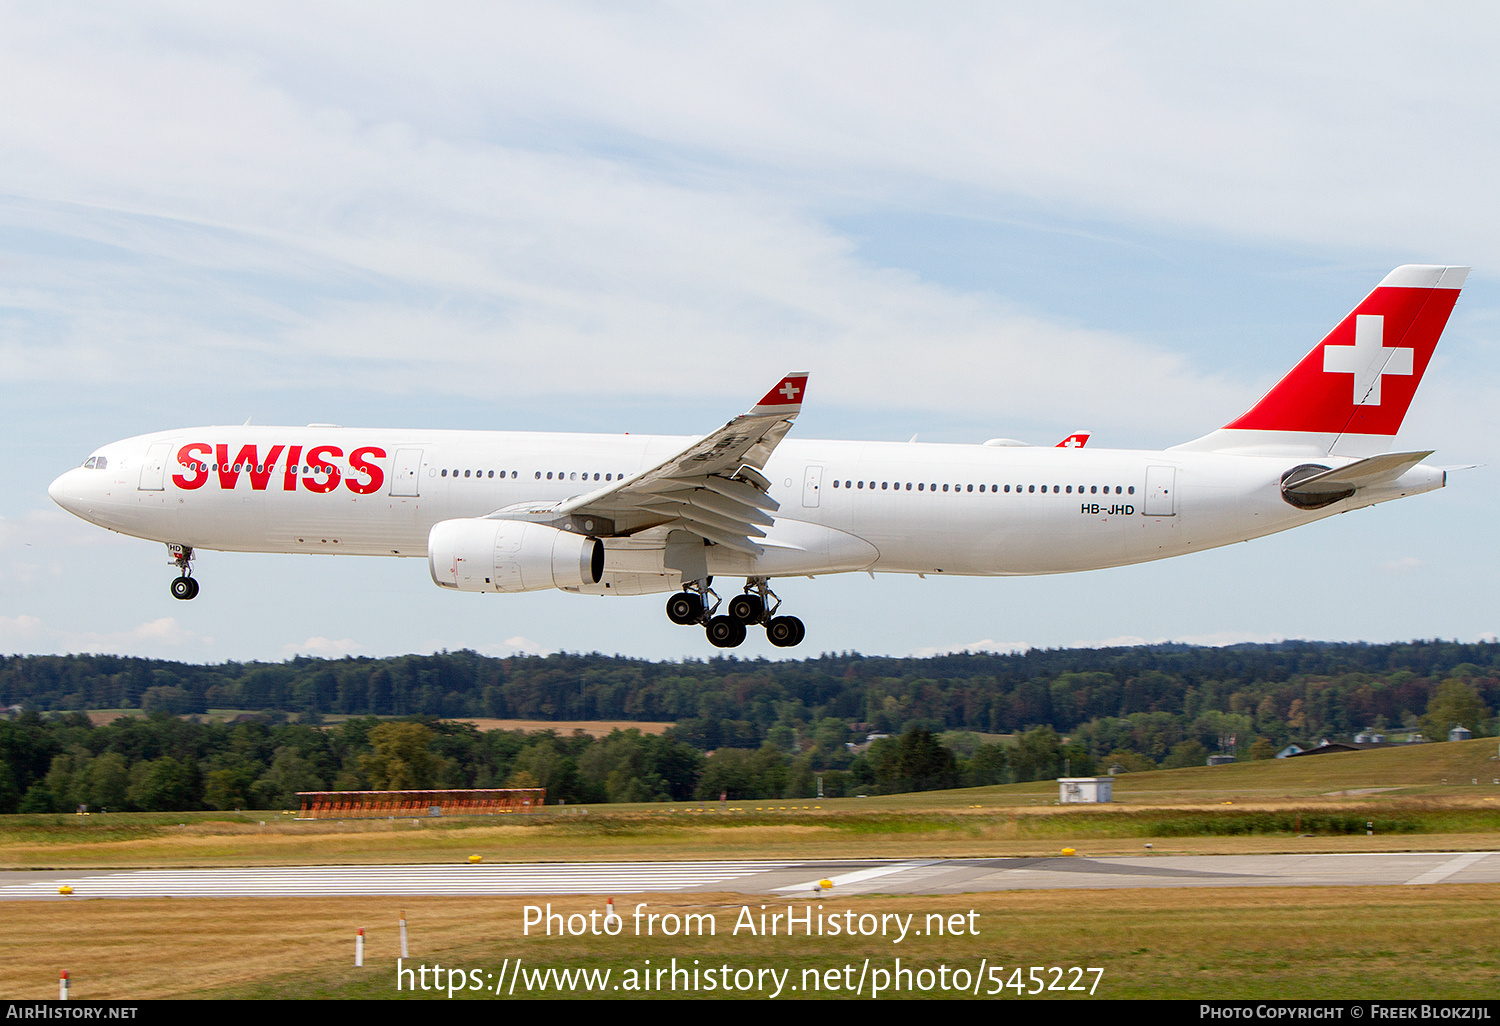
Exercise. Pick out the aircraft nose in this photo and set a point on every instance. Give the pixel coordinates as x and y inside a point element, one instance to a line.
<point>65,492</point>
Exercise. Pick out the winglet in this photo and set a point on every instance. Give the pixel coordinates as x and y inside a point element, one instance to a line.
<point>1077,440</point>
<point>783,400</point>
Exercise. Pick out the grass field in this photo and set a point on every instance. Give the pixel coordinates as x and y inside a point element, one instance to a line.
<point>1243,943</point>
<point>660,834</point>
<point>1389,942</point>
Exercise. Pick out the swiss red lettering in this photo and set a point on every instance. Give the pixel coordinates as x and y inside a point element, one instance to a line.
<point>359,463</point>
<point>248,460</point>
<point>321,456</point>
<point>364,477</point>
<point>289,479</point>
<point>194,457</point>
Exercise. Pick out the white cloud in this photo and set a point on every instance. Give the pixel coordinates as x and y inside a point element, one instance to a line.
<point>1212,117</point>
<point>518,645</point>
<point>1209,639</point>
<point>324,648</point>
<point>987,645</point>
<point>418,245</point>
<point>1123,641</point>
<point>164,637</point>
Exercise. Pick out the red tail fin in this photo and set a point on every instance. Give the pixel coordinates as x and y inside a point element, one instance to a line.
<point>1349,395</point>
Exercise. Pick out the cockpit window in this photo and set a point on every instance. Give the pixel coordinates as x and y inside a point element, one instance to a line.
<point>95,463</point>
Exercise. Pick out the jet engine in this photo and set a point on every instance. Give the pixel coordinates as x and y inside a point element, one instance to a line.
<point>511,555</point>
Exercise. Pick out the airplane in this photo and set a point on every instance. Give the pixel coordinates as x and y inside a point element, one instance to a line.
<point>499,511</point>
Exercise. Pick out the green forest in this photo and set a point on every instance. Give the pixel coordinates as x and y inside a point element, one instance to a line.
<point>743,728</point>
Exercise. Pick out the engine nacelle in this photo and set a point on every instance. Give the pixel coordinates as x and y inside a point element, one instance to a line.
<point>510,555</point>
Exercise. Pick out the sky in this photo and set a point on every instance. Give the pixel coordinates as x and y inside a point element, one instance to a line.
<point>965,220</point>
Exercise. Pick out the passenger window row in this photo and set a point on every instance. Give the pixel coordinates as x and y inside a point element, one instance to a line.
<point>257,468</point>
<point>562,475</point>
<point>923,486</point>
<point>558,475</point>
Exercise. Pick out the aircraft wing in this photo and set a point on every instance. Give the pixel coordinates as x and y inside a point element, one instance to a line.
<point>713,488</point>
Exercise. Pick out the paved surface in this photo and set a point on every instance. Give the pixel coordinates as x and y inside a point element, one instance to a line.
<point>903,876</point>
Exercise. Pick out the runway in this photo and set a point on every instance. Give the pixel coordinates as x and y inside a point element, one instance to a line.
<point>777,878</point>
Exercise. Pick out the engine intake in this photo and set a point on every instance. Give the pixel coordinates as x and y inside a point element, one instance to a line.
<point>511,556</point>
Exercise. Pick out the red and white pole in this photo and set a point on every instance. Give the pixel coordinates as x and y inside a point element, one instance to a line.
<point>404,952</point>
<point>359,948</point>
<point>62,986</point>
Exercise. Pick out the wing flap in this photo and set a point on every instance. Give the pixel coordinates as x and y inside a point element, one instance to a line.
<point>724,538</point>
<point>745,494</point>
<point>703,498</point>
<point>693,514</point>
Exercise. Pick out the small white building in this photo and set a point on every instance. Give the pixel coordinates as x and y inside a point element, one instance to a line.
<point>1085,789</point>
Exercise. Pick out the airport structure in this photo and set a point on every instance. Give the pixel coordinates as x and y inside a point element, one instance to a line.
<point>1085,789</point>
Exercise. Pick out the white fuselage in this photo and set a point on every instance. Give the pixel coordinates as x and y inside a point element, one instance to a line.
<point>878,506</point>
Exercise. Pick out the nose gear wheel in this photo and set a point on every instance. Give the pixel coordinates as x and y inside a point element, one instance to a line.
<point>184,587</point>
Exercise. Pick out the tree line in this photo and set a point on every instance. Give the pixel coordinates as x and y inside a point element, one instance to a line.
<point>777,729</point>
<point>1286,691</point>
<point>163,763</point>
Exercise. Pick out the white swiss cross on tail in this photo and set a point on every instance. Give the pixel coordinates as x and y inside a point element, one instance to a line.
<point>1348,395</point>
<point>1368,359</point>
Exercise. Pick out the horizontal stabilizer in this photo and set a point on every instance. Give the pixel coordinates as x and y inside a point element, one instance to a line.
<point>1362,474</point>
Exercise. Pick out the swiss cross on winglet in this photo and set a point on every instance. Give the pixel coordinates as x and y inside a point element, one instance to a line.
<point>786,397</point>
<point>1076,440</point>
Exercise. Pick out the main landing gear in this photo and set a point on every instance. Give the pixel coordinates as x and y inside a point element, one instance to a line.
<point>697,604</point>
<point>184,587</point>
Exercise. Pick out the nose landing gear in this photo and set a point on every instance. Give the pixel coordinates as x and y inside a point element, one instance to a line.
<point>756,606</point>
<point>184,587</point>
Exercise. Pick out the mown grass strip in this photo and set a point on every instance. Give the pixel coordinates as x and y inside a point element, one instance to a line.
<point>1250,943</point>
